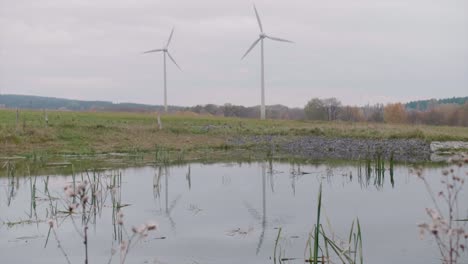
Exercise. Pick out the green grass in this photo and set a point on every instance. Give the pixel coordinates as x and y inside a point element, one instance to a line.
<point>103,132</point>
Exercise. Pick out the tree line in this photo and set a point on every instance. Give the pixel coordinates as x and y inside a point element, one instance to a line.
<point>435,113</point>
<point>451,111</point>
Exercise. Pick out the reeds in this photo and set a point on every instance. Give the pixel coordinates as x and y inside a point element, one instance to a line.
<point>320,252</point>
<point>324,248</point>
<point>373,171</point>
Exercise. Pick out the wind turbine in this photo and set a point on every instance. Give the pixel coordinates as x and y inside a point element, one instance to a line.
<point>262,36</point>
<point>165,51</point>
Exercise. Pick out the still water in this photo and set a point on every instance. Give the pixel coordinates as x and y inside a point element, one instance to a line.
<point>225,213</point>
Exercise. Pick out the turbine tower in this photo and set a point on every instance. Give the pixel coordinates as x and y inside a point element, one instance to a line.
<point>165,51</point>
<point>262,36</point>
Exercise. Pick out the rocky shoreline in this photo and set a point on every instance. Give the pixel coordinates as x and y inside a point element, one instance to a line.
<point>316,147</point>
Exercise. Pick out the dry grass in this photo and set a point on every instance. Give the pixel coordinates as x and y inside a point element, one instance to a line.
<point>98,132</point>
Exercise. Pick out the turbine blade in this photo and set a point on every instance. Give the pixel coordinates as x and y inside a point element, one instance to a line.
<point>155,50</point>
<point>279,39</point>
<point>251,47</point>
<point>170,37</point>
<point>258,19</point>
<point>172,59</point>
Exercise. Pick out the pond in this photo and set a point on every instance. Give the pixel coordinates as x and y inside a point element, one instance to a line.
<point>223,213</point>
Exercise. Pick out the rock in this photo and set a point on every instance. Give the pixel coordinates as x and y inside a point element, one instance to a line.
<point>446,145</point>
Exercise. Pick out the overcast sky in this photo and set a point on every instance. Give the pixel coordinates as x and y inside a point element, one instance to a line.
<point>360,51</point>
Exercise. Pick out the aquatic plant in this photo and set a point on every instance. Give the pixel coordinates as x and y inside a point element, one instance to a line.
<point>445,225</point>
<point>321,244</point>
<point>86,198</point>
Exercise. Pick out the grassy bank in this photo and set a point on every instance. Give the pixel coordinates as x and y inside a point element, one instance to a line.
<point>101,132</point>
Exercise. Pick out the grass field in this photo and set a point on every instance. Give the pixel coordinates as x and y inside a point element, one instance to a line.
<point>103,132</point>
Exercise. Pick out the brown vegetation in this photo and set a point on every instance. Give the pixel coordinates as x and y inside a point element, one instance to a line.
<point>330,109</point>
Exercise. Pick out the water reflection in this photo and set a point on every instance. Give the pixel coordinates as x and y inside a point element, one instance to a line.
<point>160,172</point>
<point>218,198</point>
<point>12,181</point>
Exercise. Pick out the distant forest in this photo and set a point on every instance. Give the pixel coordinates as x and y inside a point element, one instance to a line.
<point>450,111</point>
<point>424,105</point>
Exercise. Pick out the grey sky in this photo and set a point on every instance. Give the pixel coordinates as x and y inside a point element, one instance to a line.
<point>358,51</point>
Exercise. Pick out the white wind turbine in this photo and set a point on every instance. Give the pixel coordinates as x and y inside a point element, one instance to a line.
<point>260,39</point>
<point>165,51</point>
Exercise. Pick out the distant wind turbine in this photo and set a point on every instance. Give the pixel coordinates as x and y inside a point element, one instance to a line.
<point>165,51</point>
<point>260,39</point>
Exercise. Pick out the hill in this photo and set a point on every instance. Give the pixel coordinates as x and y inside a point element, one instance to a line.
<point>39,102</point>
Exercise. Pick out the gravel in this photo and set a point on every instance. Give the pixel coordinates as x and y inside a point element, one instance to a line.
<point>316,147</point>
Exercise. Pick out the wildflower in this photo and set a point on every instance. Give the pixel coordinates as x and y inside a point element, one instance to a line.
<point>419,174</point>
<point>151,225</point>
<point>123,245</point>
<point>423,226</point>
<point>421,233</point>
<point>51,223</point>
<point>433,214</point>
<point>120,216</point>
<point>82,187</point>
<point>72,207</point>
<point>139,229</point>
<point>69,191</point>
